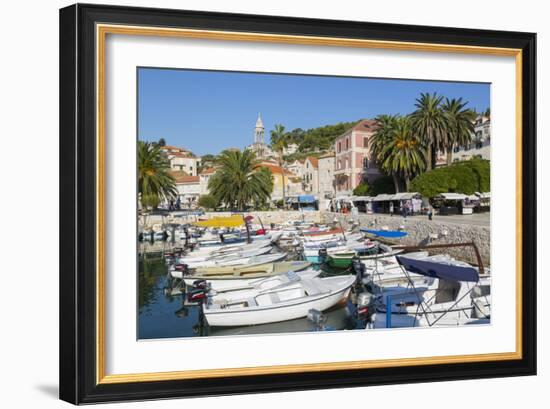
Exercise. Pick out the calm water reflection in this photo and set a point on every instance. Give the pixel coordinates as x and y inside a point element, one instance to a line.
<point>162,313</point>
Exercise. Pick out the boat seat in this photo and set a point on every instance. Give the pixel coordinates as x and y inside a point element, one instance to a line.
<point>274,298</point>
<point>251,302</point>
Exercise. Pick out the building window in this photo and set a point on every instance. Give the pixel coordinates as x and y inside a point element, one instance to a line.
<point>479,145</point>
<point>347,144</point>
<point>365,142</point>
<point>365,162</point>
<point>339,147</point>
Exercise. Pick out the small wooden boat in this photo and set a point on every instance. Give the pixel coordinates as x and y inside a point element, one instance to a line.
<point>220,278</point>
<point>344,259</point>
<point>283,303</point>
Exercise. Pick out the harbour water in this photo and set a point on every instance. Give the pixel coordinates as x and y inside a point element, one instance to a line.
<point>164,313</point>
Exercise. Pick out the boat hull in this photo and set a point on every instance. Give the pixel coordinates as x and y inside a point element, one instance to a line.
<point>270,315</point>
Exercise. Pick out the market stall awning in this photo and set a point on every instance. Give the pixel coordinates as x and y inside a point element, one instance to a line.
<point>382,197</point>
<point>452,196</point>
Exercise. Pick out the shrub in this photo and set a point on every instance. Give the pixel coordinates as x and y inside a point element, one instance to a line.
<point>361,189</point>
<point>208,202</point>
<point>463,177</point>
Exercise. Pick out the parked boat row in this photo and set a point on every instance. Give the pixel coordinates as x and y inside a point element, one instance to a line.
<point>239,279</point>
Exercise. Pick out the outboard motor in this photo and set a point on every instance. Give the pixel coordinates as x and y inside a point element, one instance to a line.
<point>317,318</point>
<point>323,254</point>
<point>365,307</point>
<point>184,268</point>
<point>200,284</point>
<point>197,295</point>
<point>359,269</point>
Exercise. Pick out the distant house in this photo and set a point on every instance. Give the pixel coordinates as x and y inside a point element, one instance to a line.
<point>310,175</point>
<point>293,184</point>
<point>181,159</point>
<point>189,189</point>
<point>480,147</point>
<point>326,175</point>
<point>353,161</point>
<point>204,178</point>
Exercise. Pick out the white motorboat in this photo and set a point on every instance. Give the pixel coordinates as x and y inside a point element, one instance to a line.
<point>215,258</point>
<point>207,252</point>
<point>240,259</point>
<point>438,291</point>
<point>283,303</point>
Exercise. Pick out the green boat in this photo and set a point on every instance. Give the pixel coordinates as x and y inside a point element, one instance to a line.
<point>344,259</point>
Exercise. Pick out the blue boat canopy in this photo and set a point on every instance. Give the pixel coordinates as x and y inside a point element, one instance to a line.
<point>390,234</point>
<point>434,269</point>
<point>306,199</point>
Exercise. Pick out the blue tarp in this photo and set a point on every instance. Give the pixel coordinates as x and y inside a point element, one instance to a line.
<point>439,270</point>
<point>390,234</point>
<point>306,199</point>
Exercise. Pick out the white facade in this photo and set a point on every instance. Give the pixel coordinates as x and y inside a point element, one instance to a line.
<point>326,176</point>
<point>189,190</point>
<point>480,147</point>
<point>187,164</point>
<point>310,176</point>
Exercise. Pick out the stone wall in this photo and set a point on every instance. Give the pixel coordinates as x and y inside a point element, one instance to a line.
<point>267,217</point>
<point>423,231</point>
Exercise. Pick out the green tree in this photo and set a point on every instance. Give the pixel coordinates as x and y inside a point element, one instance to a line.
<point>208,201</point>
<point>382,184</point>
<point>238,181</point>
<point>404,154</point>
<point>429,123</point>
<point>161,142</point>
<point>154,180</point>
<point>382,137</point>
<point>279,142</point>
<point>459,125</point>
<point>361,189</point>
<point>465,177</point>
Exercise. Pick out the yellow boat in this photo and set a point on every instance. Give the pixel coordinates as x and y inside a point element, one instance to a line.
<point>230,221</point>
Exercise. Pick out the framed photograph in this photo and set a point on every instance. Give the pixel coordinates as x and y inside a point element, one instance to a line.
<point>257,203</point>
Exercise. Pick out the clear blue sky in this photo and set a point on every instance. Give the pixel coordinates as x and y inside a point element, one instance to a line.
<point>208,111</point>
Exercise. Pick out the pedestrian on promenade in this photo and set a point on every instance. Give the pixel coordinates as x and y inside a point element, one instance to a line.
<point>430,212</point>
<point>391,209</point>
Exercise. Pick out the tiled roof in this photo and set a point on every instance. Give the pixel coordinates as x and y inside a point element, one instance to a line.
<point>369,125</point>
<point>314,161</point>
<point>208,171</point>
<point>186,179</point>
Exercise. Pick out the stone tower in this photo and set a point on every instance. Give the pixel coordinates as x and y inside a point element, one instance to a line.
<point>259,131</point>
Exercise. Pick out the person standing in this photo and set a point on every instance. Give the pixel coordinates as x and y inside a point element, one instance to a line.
<point>430,212</point>
<point>391,209</point>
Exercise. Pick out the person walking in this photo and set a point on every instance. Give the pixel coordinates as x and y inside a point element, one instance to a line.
<point>430,212</point>
<point>391,209</point>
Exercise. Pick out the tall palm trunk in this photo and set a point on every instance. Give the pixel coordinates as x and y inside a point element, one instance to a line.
<point>429,163</point>
<point>450,155</point>
<point>283,175</point>
<point>395,182</point>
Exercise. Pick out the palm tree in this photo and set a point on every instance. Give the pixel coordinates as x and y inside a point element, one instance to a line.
<point>429,124</point>
<point>154,180</point>
<point>459,125</point>
<point>279,142</point>
<point>404,153</point>
<point>238,181</point>
<point>380,139</point>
